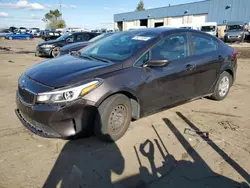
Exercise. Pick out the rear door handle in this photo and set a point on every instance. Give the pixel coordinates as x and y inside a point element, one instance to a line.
<point>190,67</point>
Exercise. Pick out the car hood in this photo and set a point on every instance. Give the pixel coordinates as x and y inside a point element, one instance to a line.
<point>67,70</point>
<point>50,42</point>
<point>74,46</point>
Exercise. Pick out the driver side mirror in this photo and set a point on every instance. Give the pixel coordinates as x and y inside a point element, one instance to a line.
<point>69,40</point>
<point>156,63</point>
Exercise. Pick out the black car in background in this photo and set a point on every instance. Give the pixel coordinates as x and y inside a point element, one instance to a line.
<point>79,45</point>
<point>126,76</point>
<point>52,48</point>
<point>12,29</point>
<point>50,35</point>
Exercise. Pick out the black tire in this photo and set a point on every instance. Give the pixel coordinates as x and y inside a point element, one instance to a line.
<point>105,127</point>
<point>216,95</point>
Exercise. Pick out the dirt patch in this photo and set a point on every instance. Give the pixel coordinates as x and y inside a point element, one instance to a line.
<point>244,53</point>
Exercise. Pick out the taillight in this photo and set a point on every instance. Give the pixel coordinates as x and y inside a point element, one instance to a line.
<point>235,53</point>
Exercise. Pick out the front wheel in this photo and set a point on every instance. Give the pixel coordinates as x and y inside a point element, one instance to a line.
<point>10,38</point>
<point>27,38</point>
<point>113,118</point>
<point>55,52</point>
<point>222,86</point>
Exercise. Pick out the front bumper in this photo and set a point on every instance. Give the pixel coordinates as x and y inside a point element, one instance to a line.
<point>54,121</point>
<point>234,38</point>
<point>43,51</point>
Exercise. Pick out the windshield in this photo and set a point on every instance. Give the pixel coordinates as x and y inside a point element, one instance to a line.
<point>63,37</point>
<point>99,37</point>
<point>119,47</point>
<point>235,27</point>
<point>208,28</point>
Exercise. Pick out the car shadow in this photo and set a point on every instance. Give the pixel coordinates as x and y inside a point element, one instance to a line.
<point>86,163</point>
<point>91,163</point>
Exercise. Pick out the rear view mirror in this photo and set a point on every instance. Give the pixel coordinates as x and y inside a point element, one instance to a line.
<point>156,63</point>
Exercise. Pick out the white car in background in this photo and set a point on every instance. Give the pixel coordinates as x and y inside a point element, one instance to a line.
<point>190,26</point>
<point>210,28</point>
<point>35,32</point>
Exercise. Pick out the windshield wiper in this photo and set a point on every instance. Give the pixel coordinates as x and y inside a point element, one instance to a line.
<point>85,56</point>
<point>100,59</point>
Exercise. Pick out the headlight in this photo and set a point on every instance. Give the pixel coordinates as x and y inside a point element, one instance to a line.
<point>47,46</point>
<point>67,95</point>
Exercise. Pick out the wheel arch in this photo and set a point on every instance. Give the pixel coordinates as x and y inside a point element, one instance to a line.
<point>132,97</point>
<point>231,72</point>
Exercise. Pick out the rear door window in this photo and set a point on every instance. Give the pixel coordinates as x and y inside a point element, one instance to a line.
<point>203,44</point>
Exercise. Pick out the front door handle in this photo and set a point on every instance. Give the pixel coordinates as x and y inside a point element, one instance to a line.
<point>190,67</point>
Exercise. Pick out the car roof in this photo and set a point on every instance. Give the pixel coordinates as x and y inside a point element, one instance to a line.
<point>162,30</point>
<point>73,33</point>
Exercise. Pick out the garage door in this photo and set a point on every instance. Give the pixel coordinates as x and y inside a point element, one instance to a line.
<point>177,20</point>
<point>199,19</point>
<point>130,24</point>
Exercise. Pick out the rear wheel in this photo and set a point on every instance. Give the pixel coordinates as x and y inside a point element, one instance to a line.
<point>27,38</point>
<point>113,118</point>
<point>10,38</point>
<point>222,86</point>
<point>55,52</point>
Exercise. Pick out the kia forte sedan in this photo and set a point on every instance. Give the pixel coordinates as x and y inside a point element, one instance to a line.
<point>121,78</point>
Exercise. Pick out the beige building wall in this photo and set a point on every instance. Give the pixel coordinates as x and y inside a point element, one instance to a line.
<point>124,26</point>
<point>137,22</point>
<point>150,23</point>
<point>188,19</point>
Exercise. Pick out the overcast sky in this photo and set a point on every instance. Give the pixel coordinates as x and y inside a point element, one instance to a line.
<point>76,13</point>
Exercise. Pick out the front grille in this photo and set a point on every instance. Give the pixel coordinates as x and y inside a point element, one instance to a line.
<point>26,96</point>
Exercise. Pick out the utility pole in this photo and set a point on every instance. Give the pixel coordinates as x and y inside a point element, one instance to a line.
<point>60,9</point>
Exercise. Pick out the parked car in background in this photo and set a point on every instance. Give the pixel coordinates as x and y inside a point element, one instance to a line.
<point>50,35</point>
<point>189,26</point>
<point>210,28</point>
<point>52,48</point>
<point>234,31</point>
<point>23,30</point>
<point>247,31</point>
<point>12,29</point>
<point>126,76</point>
<point>35,32</point>
<point>79,45</point>
<point>19,35</point>
<point>4,32</point>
